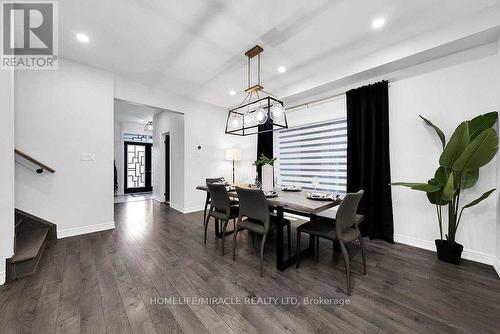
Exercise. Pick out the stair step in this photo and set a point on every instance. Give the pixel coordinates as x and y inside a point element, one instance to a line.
<point>28,244</point>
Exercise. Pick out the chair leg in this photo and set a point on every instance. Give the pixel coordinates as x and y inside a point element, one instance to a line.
<point>235,235</point>
<point>347,266</point>
<point>207,220</point>
<point>363,254</point>
<point>253,239</point>
<point>205,211</point>
<point>262,255</point>
<point>297,261</point>
<point>316,255</point>
<point>224,226</point>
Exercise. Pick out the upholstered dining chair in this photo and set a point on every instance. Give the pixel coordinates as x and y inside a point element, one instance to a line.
<point>207,200</point>
<point>255,216</point>
<point>344,229</point>
<point>220,209</point>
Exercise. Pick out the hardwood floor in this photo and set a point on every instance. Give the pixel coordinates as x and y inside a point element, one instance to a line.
<point>118,281</point>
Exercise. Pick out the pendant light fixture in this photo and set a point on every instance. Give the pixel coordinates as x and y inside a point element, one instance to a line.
<point>259,111</point>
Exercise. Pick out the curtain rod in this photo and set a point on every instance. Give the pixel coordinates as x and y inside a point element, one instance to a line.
<point>306,104</point>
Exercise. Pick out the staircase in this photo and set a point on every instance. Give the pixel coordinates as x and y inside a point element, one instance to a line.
<point>31,237</point>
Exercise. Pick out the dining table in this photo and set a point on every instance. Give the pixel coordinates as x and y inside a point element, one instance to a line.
<point>294,202</point>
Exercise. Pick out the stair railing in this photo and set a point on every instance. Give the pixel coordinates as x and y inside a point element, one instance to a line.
<point>41,166</point>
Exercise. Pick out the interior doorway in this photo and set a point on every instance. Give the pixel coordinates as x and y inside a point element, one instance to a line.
<point>167,168</point>
<point>137,167</point>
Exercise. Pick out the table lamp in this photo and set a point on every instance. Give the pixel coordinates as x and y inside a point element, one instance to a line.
<point>233,154</point>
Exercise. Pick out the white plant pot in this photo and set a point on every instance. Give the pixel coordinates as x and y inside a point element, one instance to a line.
<point>267,177</point>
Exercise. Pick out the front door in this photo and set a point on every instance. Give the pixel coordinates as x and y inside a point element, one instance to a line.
<point>137,167</point>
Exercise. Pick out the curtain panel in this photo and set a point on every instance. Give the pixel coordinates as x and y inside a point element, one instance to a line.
<point>368,165</point>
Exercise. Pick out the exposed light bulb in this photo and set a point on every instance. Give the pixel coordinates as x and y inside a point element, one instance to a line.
<point>232,93</point>
<point>236,122</point>
<point>261,116</point>
<point>277,111</point>
<point>282,69</point>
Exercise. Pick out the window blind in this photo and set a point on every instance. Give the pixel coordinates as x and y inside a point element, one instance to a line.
<point>314,152</point>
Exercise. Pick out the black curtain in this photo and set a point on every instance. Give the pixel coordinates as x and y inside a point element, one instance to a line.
<point>368,164</point>
<point>264,145</point>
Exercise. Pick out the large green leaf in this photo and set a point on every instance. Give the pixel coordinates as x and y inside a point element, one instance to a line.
<point>435,197</point>
<point>438,130</point>
<point>449,189</point>
<point>441,176</point>
<point>479,152</point>
<point>482,122</point>
<point>478,200</point>
<point>467,178</point>
<point>418,186</point>
<point>457,144</point>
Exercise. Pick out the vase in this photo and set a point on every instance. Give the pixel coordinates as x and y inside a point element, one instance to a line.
<point>267,177</point>
<point>449,252</point>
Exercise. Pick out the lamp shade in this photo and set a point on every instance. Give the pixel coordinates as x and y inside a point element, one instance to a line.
<point>233,154</point>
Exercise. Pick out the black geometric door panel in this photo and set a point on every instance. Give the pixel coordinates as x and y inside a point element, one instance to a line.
<point>137,167</point>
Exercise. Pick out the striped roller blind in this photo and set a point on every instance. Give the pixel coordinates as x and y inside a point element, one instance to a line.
<point>314,150</point>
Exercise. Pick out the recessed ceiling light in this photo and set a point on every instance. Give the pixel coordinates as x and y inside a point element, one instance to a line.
<point>82,38</point>
<point>232,93</point>
<point>378,23</point>
<point>282,69</point>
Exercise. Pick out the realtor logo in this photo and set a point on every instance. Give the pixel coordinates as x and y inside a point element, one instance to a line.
<point>29,35</point>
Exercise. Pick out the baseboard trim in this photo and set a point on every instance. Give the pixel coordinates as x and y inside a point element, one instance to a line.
<point>2,277</point>
<point>429,245</point>
<point>496,265</point>
<point>71,232</point>
<point>194,209</point>
<point>159,199</point>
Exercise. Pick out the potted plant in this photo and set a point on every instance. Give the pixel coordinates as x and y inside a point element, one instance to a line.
<point>473,144</point>
<point>267,171</point>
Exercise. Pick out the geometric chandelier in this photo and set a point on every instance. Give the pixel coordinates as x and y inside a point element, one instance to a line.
<point>259,111</point>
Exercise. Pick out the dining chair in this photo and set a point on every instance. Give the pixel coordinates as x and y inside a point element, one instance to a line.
<point>344,229</point>
<point>207,200</point>
<point>255,216</point>
<point>220,209</point>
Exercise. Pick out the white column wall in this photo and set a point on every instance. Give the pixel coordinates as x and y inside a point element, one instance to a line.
<point>6,168</point>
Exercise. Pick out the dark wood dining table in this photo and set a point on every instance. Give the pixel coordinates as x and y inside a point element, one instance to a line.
<point>294,202</point>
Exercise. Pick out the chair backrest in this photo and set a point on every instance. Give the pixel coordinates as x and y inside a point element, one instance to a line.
<point>214,180</point>
<point>253,205</point>
<point>346,214</point>
<point>220,198</point>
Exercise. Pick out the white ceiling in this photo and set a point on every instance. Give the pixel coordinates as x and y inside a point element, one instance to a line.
<point>125,111</point>
<point>195,48</point>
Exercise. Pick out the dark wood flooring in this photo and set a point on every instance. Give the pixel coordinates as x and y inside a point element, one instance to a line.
<point>105,283</point>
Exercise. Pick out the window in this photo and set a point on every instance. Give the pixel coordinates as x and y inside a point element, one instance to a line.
<point>314,156</point>
<point>139,138</point>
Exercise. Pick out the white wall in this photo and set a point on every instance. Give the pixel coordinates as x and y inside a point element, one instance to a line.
<point>447,97</point>
<point>173,124</point>
<point>497,254</point>
<point>6,169</point>
<point>119,129</point>
<point>59,115</point>
<point>204,125</point>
